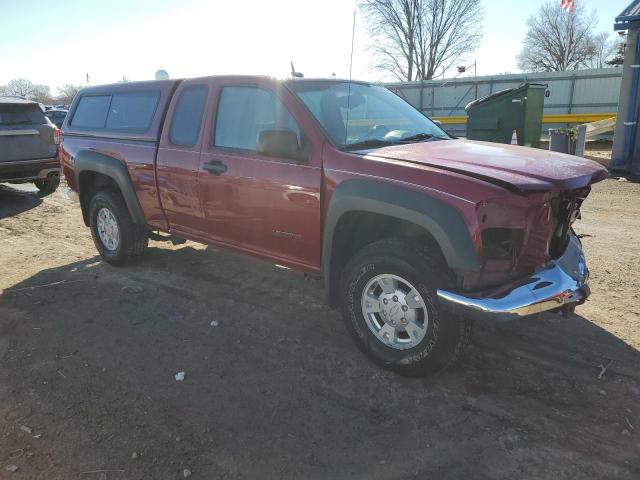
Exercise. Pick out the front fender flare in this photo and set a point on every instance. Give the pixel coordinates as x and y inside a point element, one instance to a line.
<point>442,221</point>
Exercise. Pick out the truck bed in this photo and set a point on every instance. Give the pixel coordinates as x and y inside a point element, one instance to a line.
<point>138,147</point>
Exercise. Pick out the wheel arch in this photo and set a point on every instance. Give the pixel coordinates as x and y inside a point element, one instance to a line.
<point>395,211</point>
<point>95,170</point>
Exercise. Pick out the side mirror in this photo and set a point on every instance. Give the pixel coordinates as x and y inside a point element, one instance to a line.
<point>281,144</point>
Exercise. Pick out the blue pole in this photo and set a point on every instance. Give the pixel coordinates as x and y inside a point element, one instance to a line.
<point>631,126</point>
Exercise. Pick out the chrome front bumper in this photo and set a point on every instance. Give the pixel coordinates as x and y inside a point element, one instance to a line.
<point>559,284</point>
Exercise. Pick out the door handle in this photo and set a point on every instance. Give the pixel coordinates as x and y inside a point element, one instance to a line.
<point>215,167</point>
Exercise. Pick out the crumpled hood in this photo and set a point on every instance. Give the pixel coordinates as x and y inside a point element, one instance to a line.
<point>511,166</point>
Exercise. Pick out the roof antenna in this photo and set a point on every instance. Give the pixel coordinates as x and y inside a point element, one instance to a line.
<point>295,74</point>
<point>353,34</point>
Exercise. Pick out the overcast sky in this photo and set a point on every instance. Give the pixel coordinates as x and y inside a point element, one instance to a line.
<point>58,42</point>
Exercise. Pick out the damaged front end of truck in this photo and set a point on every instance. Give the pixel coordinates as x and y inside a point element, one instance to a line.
<point>532,259</point>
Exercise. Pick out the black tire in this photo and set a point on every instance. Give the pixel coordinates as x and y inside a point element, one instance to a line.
<point>47,186</point>
<point>446,335</point>
<point>133,238</point>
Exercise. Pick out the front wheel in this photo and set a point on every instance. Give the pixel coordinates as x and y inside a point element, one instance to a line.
<point>116,237</point>
<point>390,307</point>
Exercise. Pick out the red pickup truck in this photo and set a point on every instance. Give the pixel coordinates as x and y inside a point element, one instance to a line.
<point>413,232</point>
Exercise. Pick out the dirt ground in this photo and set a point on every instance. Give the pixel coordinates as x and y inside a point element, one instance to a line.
<point>599,151</point>
<point>88,354</point>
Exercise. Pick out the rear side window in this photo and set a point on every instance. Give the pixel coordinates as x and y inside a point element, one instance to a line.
<point>132,111</point>
<point>91,112</point>
<point>16,114</point>
<point>187,117</point>
<point>244,112</point>
<point>127,111</point>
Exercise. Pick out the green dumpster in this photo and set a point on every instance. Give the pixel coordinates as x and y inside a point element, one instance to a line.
<point>495,117</point>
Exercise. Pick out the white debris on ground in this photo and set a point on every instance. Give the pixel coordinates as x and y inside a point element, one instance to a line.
<point>214,323</point>
<point>179,376</point>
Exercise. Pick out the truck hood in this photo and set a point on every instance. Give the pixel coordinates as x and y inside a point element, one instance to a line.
<point>510,166</point>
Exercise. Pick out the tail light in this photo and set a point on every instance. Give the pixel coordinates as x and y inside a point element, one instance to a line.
<point>56,135</point>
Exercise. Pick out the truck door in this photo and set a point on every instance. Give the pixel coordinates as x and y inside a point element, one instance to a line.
<point>268,205</point>
<point>178,158</point>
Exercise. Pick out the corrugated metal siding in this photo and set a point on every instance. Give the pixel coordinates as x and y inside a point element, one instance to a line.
<point>579,91</point>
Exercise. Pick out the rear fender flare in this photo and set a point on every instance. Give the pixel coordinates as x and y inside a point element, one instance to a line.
<point>91,161</point>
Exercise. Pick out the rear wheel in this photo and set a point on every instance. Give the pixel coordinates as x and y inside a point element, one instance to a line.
<point>116,237</point>
<point>390,307</point>
<point>47,186</point>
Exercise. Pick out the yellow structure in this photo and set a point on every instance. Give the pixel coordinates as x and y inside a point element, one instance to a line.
<point>572,118</point>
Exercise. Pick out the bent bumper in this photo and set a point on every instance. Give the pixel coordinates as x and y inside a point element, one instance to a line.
<point>561,283</point>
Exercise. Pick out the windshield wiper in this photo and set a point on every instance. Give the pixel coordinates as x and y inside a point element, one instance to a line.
<point>421,136</point>
<point>377,142</point>
<point>371,143</point>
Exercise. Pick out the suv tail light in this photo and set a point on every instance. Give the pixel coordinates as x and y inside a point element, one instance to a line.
<point>56,135</point>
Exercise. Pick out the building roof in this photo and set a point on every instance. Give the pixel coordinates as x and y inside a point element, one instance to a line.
<point>629,17</point>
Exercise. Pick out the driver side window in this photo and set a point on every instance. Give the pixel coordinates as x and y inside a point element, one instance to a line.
<point>245,112</point>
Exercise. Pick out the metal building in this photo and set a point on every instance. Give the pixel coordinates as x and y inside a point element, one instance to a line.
<point>572,97</point>
<point>625,157</point>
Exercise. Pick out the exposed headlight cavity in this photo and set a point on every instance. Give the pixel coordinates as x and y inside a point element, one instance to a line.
<point>501,243</point>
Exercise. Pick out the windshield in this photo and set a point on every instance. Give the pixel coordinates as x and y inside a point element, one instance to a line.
<point>364,116</point>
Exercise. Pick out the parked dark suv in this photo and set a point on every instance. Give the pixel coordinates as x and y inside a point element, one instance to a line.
<point>56,116</point>
<point>28,145</point>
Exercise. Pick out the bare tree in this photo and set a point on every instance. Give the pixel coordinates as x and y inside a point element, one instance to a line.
<point>41,94</point>
<point>392,23</point>
<point>449,29</point>
<point>26,88</point>
<point>605,47</point>
<point>20,87</point>
<point>557,40</point>
<point>416,38</point>
<point>65,93</point>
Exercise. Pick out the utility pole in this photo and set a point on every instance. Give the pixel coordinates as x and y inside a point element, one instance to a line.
<point>475,77</point>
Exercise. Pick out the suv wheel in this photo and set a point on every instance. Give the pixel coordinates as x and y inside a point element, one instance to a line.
<point>390,307</point>
<point>116,237</point>
<point>47,186</point>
